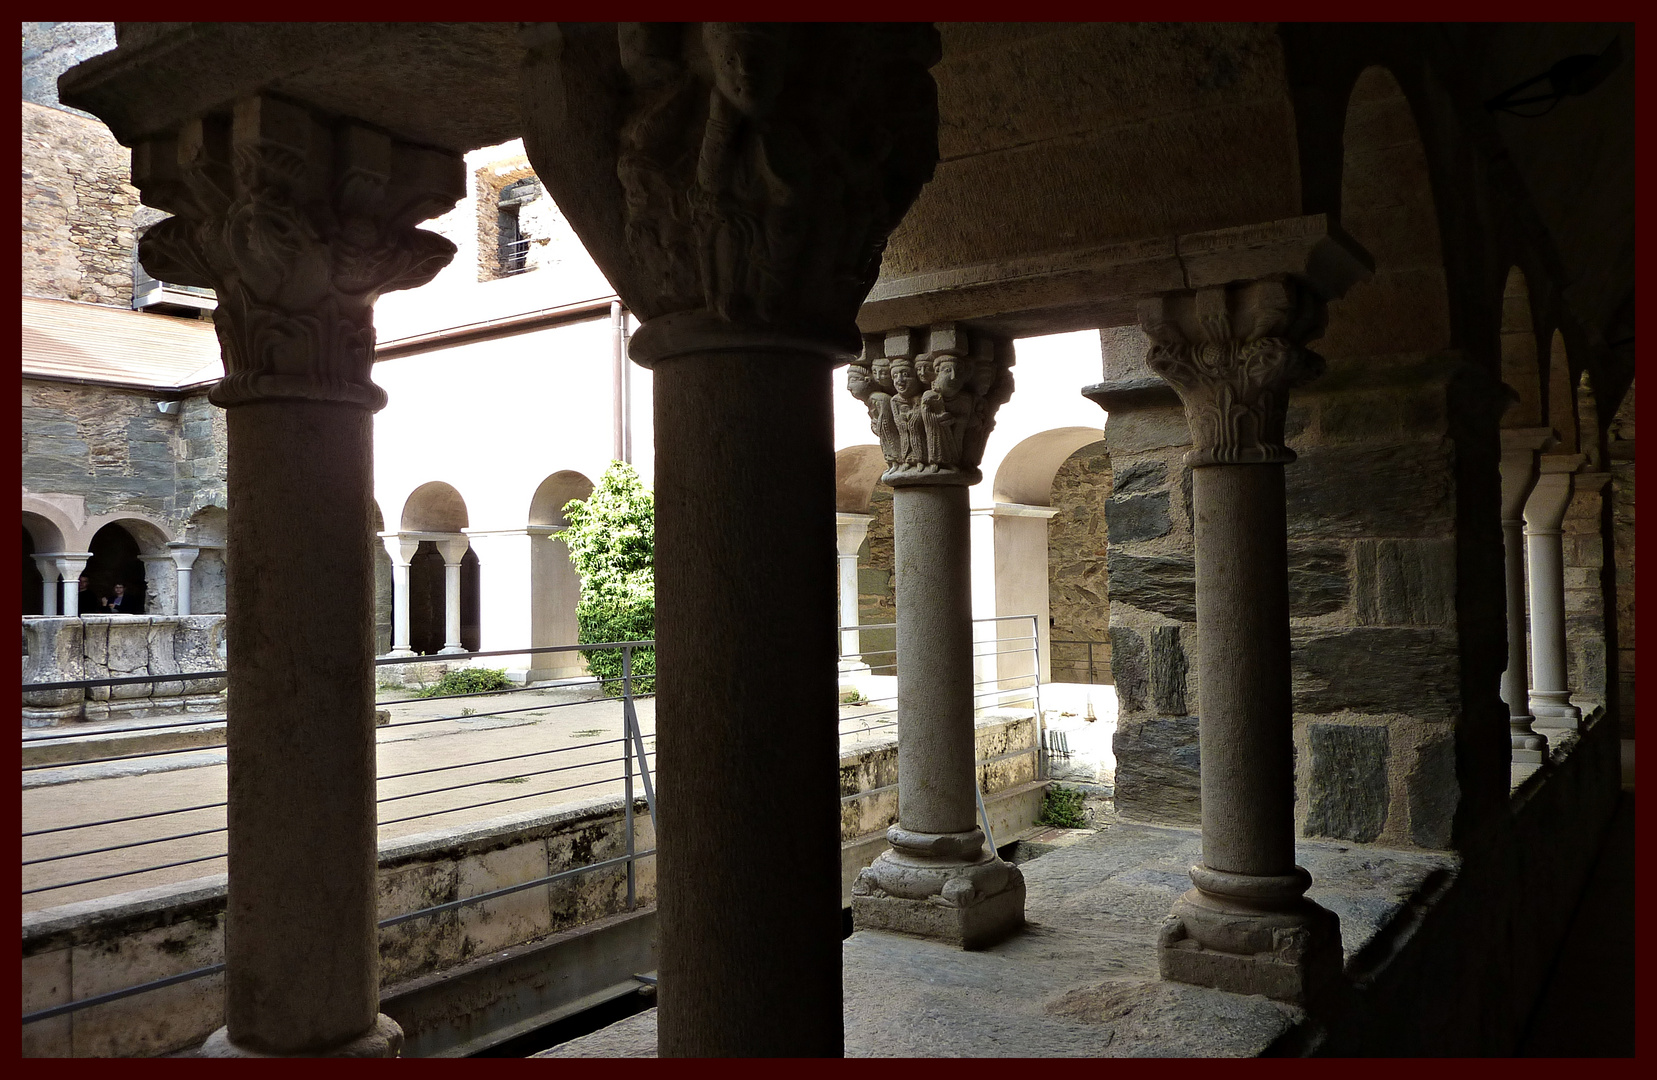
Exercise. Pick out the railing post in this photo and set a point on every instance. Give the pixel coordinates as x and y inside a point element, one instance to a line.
<point>627,767</point>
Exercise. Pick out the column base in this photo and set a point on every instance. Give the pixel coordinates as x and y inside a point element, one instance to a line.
<point>383,1040</point>
<point>1286,955</point>
<point>451,650</point>
<point>1529,748</point>
<point>968,905</point>
<point>400,654</point>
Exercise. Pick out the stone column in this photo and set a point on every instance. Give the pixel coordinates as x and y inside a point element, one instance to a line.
<point>48,567</point>
<point>850,529</point>
<point>452,550</point>
<point>1550,696</point>
<point>184,557</point>
<point>737,182</point>
<point>71,565</point>
<point>932,397</point>
<point>1519,449</point>
<point>1233,353</point>
<point>298,222</point>
<point>402,550</point>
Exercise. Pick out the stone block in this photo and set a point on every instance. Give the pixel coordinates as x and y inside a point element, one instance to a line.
<point>1141,517</point>
<point>512,919</point>
<point>1349,781</point>
<point>1318,583</point>
<point>1165,584</point>
<point>1168,671</point>
<point>419,945</point>
<point>1140,477</point>
<point>1377,670</point>
<point>1158,770</point>
<point>159,1021</point>
<point>1129,668</point>
<point>45,984</point>
<point>1433,792</point>
<point>1146,429</point>
<point>978,923</point>
<point>1398,489</point>
<point>1405,582</point>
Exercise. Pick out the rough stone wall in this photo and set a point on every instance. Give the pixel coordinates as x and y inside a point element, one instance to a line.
<point>877,600</point>
<point>1586,663</point>
<point>110,446</point>
<point>1620,459</point>
<point>1078,581</point>
<point>79,211</point>
<point>1153,614</point>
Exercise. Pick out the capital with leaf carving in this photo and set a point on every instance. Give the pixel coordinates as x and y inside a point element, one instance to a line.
<point>1233,353</point>
<point>932,395</point>
<point>298,222</point>
<point>735,181</point>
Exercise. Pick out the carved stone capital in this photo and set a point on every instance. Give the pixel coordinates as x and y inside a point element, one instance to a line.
<point>298,223</point>
<point>746,174</point>
<point>1233,353</point>
<point>932,394</point>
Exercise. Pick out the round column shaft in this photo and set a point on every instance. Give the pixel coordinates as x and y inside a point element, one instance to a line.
<point>401,552</point>
<point>300,941</point>
<point>932,555</point>
<point>71,568</point>
<point>452,551</point>
<point>1245,736</point>
<point>1550,699</point>
<point>48,567</point>
<point>749,840</point>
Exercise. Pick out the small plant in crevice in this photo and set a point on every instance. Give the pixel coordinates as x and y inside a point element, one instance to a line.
<point>1063,807</point>
<point>468,681</point>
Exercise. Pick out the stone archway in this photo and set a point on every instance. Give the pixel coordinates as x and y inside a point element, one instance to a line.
<point>555,588</point>
<point>435,517</point>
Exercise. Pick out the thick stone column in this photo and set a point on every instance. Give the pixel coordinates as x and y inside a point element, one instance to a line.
<point>298,222</point>
<point>1233,353</point>
<point>452,550</point>
<point>737,183</point>
<point>71,565</point>
<point>184,558</point>
<point>849,532</point>
<point>1519,449</point>
<point>401,549</point>
<point>932,396</point>
<point>48,567</point>
<point>1550,696</point>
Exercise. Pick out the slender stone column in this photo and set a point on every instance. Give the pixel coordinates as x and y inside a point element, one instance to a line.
<point>1550,696</point>
<point>737,182</point>
<point>850,529</point>
<point>48,567</point>
<point>1233,353</point>
<point>401,549</point>
<point>1519,449</point>
<point>452,550</point>
<point>71,566</point>
<point>932,396</point>
<point>184,558</point>
<point>298,222</point>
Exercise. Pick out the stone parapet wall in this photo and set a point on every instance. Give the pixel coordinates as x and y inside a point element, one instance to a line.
<point>79,950</point>
<point>65,649</point>
<point>877,601</point>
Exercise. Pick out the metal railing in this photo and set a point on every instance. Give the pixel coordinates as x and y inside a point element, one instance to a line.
<point>515,256</point>
<point>633,749</point>
<point>1090,666</point>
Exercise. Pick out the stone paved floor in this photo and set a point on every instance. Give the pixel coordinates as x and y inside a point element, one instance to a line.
<point>1081,979</point>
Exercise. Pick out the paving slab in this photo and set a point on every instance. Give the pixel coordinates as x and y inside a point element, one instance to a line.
<point>1081,979</point>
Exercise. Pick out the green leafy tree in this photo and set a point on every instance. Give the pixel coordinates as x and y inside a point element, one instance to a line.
<point>612,541</point>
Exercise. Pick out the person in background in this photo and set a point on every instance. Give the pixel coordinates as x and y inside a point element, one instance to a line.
<point>121,603</point>
<point>89,601</point>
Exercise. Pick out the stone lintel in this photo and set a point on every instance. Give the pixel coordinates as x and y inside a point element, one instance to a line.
<point>434,84</point>
<point>1561,463</point>
<point>1101,285</point>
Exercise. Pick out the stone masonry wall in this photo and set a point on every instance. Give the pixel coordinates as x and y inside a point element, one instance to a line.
<point>1153,614</point>
<point>1077,576</point>
<point>79,211</point>
<point>111,446</point>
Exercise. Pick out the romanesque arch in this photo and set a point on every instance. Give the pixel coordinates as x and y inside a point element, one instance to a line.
<point>555,588</point>
<point>435,513</point>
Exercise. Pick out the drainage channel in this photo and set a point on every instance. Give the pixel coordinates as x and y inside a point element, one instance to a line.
<point>573,1027</point>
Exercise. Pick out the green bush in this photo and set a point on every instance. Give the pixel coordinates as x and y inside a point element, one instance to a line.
<point>611,537</point>
<point>1062,807</point>
<point>472,680</point>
